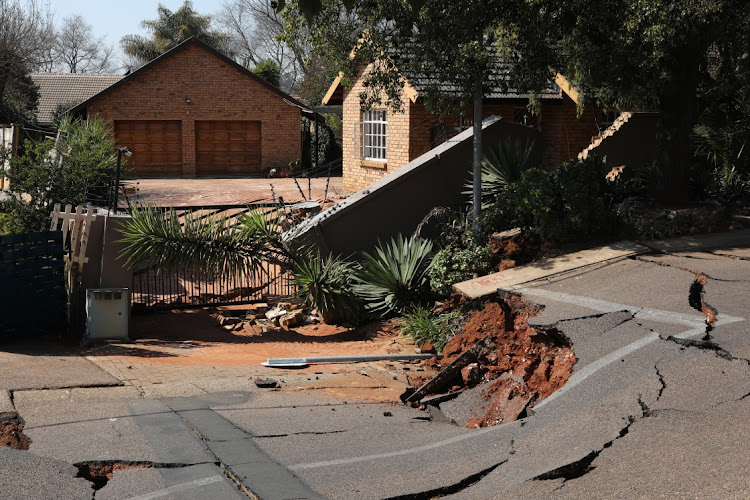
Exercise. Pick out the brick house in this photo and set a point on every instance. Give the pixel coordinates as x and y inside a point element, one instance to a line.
<point>194,112</point>
<point>379,141</point>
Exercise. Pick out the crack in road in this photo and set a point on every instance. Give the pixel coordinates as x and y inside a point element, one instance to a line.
<point>706,345</point>
<point>583,466</point>
<point>728,256</point>
<point>661,381</point>
<point>450,489</point>
<point>643,258</point>
<point>100,472</point>
<point>301,433</point>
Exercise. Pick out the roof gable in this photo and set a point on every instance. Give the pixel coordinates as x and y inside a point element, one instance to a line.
<point>191,42</point>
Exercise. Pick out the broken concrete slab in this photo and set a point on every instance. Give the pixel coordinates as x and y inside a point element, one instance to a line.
<point>188,481</point>
<point>25,475</point>
<point>34,367</point>
<point>485,285</point>
<point>7,409</point>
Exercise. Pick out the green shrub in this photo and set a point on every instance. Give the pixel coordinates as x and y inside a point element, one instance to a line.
<point>424,327</point>
<point>503,164</point>
<point>453,265</point>
<point>83,173</point>
<point>326,284</point>
<point>394,278</point>
<point>561,205</point>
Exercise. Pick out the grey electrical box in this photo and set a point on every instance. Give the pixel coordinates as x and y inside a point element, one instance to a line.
<point>107,313</point>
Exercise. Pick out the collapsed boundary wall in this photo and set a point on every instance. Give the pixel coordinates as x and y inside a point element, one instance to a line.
<point>400,200</point>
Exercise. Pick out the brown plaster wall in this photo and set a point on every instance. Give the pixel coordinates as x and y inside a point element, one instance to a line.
<point>217,91</point>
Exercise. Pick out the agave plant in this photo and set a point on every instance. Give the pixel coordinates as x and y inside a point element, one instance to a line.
<point>394,278</point>
<point>504,163</point>
<point>326,283</point>
<point>209,246</point>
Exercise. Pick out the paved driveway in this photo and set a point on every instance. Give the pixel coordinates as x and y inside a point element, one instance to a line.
<point>232,191</point>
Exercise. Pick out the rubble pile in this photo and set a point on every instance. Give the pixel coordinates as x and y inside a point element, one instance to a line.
<point>500,365</point>
<point>260,317</point>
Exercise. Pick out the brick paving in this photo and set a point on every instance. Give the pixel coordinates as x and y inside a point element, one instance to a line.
<point>232,191</point>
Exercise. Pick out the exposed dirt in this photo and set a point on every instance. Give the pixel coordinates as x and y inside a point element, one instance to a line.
<point>11,434</point>
<point>525,363</point>
<point>696,300</point>
<point>516,250</point>
<point>100,473</point>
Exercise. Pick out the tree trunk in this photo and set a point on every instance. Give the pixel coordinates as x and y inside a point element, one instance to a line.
<point>679,113</point>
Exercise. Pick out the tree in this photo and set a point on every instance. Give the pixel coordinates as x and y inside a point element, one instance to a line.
<point>77,50</point>
<point>657,55</point>
<point>171,29</point>
<point>79,170</point>
<point>256,33</point>
<point>25,35</point>
<point>449,47</point>
<point>269,70</point>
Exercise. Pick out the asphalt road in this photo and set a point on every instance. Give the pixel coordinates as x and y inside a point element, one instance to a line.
<point>658,406</point>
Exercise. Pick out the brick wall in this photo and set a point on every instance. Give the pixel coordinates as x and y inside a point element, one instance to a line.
<point>410,134</point>
<point>217,90</point>
<point>359,173</point>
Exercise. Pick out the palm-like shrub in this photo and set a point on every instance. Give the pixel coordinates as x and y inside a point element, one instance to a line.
<point>326,284</point>
<point>503,164</point>
<point>207,246</point>
<point>394,278</point>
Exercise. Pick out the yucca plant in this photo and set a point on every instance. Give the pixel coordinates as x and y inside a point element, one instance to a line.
<point>504,163</point>
<point>394,278</point>
<point>326,284</point>
<point>207,246</point>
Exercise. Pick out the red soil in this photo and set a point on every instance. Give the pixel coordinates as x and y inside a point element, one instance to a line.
<point>12,436</point>
<point>533,362</point>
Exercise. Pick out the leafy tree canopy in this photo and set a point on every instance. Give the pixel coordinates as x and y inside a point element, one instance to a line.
<point>77,169</point>
<point>171,29</point>
<point>269,70</point>
<point>673,56</point>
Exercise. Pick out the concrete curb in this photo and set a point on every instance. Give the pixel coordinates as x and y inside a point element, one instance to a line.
<point>7,410</point>
<point>485,285</point>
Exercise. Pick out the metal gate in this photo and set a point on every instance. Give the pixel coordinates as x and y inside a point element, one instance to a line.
<point>157,290</point>
<point>32,285</point>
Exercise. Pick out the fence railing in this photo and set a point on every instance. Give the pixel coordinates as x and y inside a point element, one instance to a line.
<point>188,288</point>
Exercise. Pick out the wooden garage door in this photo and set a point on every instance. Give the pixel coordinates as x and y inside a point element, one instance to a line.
<point>156,145</point>
<point>227,147</point>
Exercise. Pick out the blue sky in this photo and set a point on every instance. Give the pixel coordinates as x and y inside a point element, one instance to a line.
<point>115,19</point>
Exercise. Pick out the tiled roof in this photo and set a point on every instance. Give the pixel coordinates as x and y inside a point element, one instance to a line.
<point>69,89</point>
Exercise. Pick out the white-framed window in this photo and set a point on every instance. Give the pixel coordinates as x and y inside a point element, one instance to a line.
<point>371,135</point>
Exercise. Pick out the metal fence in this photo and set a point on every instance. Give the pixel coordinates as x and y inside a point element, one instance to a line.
<point>32,291</point>
<point>157,290</point>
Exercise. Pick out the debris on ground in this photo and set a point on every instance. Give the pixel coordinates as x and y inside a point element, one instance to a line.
<point>499,364</point>
<point>266,383</point>
<point>11,433</point>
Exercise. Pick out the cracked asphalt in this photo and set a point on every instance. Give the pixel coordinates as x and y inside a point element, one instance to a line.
<point>658,406</point>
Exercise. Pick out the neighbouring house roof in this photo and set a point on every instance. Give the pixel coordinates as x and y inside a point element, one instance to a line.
<point>67,89</point>
<point>558,85</point>
<point>187,43</point>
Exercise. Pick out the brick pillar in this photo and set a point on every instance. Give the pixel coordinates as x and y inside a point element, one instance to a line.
<point>188,148</point>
